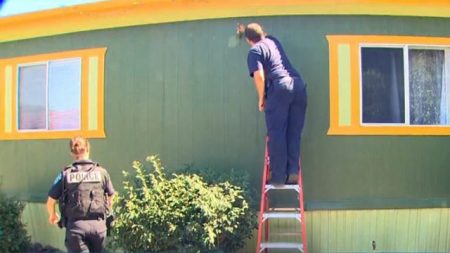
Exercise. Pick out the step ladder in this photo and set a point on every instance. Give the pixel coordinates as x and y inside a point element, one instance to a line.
<point>267,213</point>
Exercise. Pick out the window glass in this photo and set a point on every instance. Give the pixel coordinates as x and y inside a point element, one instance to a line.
<point>383,95</point>
<point>428,93</point>
<point>64,89</point>
<point>50,95</point>
<point>32,97</point>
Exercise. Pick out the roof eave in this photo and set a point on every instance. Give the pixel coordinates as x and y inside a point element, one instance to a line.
<point>122,13</point>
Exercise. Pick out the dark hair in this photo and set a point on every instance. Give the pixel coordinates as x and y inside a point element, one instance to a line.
<point>79,145</point>
<point>254,32</point>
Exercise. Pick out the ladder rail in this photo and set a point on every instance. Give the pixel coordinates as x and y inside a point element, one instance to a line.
<point>266,224</point>
<point>263,223</point>
<point>302,209</point>
<point>263,205</point>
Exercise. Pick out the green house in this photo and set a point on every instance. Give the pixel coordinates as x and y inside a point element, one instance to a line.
<point>169,77</point>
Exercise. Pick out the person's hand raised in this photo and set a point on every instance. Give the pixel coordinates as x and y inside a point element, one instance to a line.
<point>240,29</point>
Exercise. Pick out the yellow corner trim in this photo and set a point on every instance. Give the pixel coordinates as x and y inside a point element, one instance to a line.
<point>122,13</point>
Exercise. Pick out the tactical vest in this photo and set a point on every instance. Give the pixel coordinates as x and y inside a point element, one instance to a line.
<point>84,191</point>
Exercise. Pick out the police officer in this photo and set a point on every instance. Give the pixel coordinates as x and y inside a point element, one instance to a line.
<point>84,191</point>
<point>282,96</point>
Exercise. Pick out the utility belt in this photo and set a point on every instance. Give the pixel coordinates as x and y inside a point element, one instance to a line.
<point>89,217</point>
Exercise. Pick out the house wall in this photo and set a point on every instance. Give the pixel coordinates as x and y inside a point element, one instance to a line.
<point>181,90</point>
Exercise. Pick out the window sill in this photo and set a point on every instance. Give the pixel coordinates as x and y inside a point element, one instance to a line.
<point>50,135</point>
<point>390,130</point>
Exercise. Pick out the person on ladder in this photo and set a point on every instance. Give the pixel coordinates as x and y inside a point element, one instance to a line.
<point>282,96</point>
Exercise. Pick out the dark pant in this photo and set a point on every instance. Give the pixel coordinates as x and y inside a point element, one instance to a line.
<point>285,116</point>
<point>84,236</point>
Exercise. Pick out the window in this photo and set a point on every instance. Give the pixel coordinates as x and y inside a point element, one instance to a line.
<point>50,95</point>
<point>53,95</point>
<point>389,85</point>
<point>394,94</point>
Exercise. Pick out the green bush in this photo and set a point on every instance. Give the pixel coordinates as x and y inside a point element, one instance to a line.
<point>178,213</point>
<point>248,222</point>
<point>13,235</point>
<point>213,176</point>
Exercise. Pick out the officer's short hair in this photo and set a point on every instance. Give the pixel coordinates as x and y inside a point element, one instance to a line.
<point>79,145</point>
<point>254,32</point>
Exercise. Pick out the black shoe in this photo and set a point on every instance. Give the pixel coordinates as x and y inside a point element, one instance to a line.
<point>292,179</point>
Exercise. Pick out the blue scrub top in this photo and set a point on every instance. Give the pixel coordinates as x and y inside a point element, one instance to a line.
<point>268,55</point>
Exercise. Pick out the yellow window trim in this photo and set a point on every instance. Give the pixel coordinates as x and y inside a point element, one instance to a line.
<point>124,13</point>
<point>2,96</point>
<point>355,127</point>
<point>84,54</point>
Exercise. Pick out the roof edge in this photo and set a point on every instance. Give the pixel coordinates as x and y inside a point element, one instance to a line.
<point>122,13</point>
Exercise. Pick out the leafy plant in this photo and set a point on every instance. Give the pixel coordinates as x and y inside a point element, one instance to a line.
<point>247,222</point>
<point>213,176</point>
<point>13,235</point>
<point>178,213</point>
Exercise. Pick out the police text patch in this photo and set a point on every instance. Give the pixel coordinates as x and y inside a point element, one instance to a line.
<point>82,176</point>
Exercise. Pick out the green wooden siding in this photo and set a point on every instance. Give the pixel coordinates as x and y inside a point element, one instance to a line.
<point>35,216</point>
<point>400,230</point>
<point>406,230</point>
<point>182,90</point>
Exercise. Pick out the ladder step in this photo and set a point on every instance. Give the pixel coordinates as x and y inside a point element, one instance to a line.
<point>295,187</point>
<point>286,234</point>
<point>281,215</point>
<point>284,209</point>
<point>281,245</point>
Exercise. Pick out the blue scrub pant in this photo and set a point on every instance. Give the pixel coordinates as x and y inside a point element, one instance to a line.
<point>285,116</point>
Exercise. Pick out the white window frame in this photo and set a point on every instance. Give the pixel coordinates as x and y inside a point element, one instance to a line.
<point>46,63</point>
